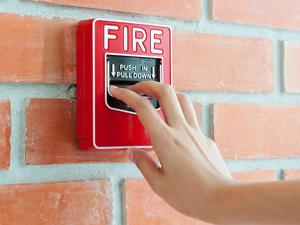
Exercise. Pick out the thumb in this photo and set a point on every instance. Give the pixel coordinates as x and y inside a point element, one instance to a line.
<point>147,166</point>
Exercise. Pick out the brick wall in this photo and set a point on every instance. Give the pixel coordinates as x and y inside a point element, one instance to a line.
<point>239,61</point>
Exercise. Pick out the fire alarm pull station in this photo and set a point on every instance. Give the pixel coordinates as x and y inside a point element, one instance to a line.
<point>121,54</point>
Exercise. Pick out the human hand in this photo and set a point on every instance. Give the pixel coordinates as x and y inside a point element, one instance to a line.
<point>192,171</point>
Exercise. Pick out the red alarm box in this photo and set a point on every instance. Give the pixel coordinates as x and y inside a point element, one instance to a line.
<point>117,53</point>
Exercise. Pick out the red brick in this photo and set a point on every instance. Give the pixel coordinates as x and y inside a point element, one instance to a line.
<point>292,67</point>
<point>292,174</point>
<point>51,135</point>
<point>143,206</point>
<point>75,203</point>
<point>5,131</point>
<point>217,63</point>
<point>170,8</point>
<point>45,48</point>
<point>272,13</point>
<point>255,176</point>
<point>250,131</point>
<point>37,49</point>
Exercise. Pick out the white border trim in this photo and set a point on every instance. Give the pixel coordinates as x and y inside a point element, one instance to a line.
<point>93,64</point>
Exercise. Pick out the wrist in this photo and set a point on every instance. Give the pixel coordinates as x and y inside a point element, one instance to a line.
<point>223,202</point>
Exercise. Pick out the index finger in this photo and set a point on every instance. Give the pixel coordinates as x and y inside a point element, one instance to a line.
<point>148,116</point>
<point>166,97</point>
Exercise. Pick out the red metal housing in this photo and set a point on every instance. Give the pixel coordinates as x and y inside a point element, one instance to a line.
<point>99,125</point>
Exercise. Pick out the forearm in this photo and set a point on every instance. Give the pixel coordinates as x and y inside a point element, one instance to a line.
<point>276,203</point>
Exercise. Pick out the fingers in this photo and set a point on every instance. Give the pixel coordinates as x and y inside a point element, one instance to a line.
<point>148,167</point>
<point>188,110</point>
<point>166,96</point>
<point>148,116</point>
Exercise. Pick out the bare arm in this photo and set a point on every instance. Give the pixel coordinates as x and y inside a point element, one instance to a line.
<point>275,203</point>
<point>193,177</point>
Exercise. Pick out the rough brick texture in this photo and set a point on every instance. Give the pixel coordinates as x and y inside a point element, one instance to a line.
<point>292,67</point>
<point>274,13</point>
<point>251,131</point>
<point>5,131</point>
<point>218,63</point>
<point>255,176</point>
<point>143,205</point>
<point>292,174</point>
<point>170,8</point>
<point>233,64</point>
<point>75,203</point>
<point>51,135</point>
<point>36,49</point>
<point>229,54</point>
